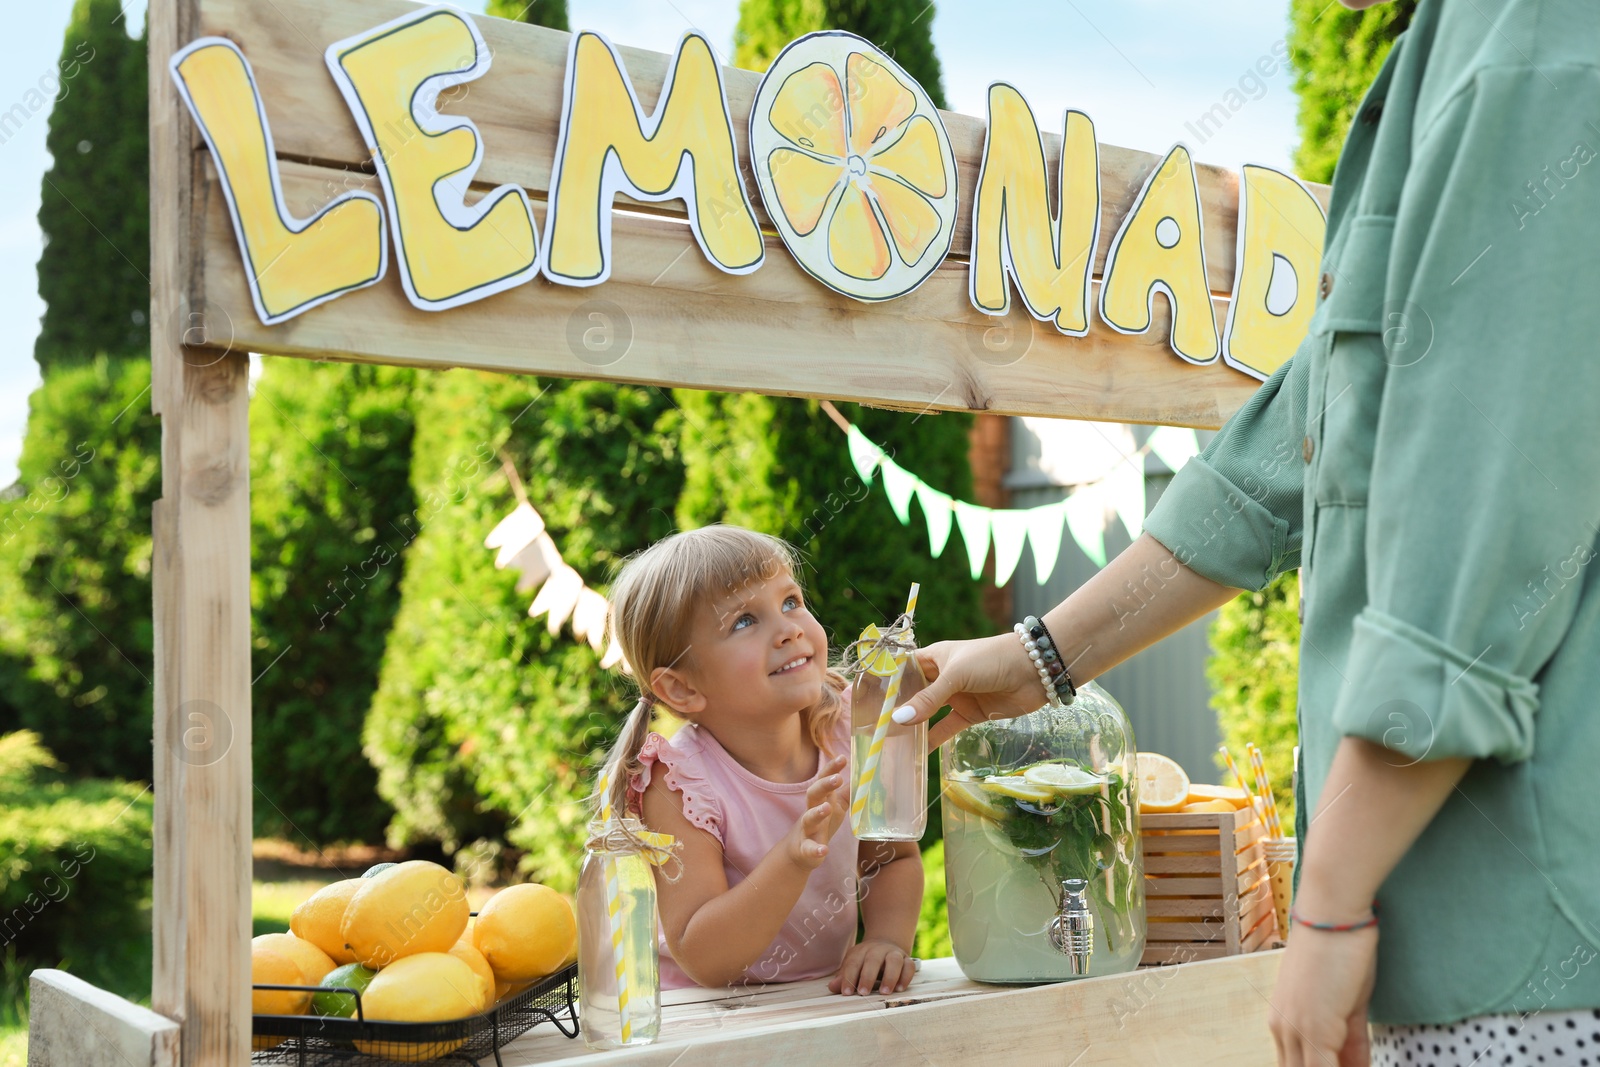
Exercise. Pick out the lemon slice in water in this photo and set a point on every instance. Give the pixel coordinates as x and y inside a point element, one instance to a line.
<point>1063,778</point>
<point>1018,788</point>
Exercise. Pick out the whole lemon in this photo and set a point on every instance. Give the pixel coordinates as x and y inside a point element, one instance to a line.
<point>317,919</point>
<point>526,932</point>
<point>426,987</point>
<point>412,907</point>
<point>272,966</point>
<point>467,953</point>
<point>312,961</point>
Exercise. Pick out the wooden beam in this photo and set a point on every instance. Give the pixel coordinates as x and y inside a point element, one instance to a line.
<point>669,318</point>
<point>72,1022</point>
<point>201,586</point>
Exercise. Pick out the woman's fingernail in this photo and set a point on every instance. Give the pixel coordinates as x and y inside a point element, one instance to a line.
<point>848,990</point>
<point>905,714</point>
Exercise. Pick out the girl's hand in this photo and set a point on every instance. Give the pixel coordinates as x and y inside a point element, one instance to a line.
<point>1319,1007</point>
<point>826,805</point>
<point>869,960</point>
<point>989,678</point>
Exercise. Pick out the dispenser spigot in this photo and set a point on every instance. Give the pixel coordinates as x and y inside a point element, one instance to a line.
<point>1072,930</point>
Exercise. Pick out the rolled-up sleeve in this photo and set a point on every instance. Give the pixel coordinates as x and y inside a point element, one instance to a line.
<point>1485,485</point>
<point>1234,512</point>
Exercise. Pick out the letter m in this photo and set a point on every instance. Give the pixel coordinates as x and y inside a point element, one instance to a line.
<point>608,145</point>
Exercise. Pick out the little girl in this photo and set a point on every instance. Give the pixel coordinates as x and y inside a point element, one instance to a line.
<point>715,628</point>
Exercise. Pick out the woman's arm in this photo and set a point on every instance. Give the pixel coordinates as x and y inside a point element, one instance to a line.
<point>890,873</point>
<point>715,932</point>
<point>1375,804</point>
<point>1141,596</point>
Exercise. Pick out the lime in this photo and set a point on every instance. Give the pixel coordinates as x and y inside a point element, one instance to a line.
<point>351,976</point>
<point>1018,788</point>
<point>968,796</point>
<point>1063,778</point>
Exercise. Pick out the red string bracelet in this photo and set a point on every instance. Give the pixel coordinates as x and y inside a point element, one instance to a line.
<point>1340,928</point>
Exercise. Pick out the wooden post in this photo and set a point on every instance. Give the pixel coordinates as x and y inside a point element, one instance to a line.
<point>202,607</point>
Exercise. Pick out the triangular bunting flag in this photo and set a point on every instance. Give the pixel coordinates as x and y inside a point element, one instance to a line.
<point>1044,536</point>
<point>513,533</point>
<point>1124,488</point>
<point>936,510</point>
<point>974,524</point>
<point>1086,518</point>
<point>863,453</point>
<point>1010,531</point>
<point>898,485</point>
<point>1175,445</point>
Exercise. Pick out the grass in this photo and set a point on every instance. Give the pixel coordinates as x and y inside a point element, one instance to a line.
<point>14,1046</point>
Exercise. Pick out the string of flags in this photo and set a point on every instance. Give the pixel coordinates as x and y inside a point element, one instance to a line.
<point>1084,512</point>
<point>524,543</point>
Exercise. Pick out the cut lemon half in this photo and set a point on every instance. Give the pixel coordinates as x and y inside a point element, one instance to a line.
<point>1195,807</point>
<point>854,165</point>
<point>970,797</point>
<point>880,662</point>
<point>1198,792</point>
<point>1018,787</point>
<point>1163,785</point>
<point>1063,778</point>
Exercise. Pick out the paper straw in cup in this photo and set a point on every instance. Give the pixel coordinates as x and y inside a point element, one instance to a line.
<point>879,732</point>
<point>1264,784</point>
<point>1234,769</point>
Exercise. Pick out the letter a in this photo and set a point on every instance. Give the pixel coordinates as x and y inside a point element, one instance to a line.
<point>1274,286</point>
<point>608,145</point>
<point>391,77</point>
<point>1160,248</point>
<point>1048,255</point>
<point>291,264</point>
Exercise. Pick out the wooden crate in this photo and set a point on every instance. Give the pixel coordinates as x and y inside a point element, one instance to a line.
<point>1206,888</point>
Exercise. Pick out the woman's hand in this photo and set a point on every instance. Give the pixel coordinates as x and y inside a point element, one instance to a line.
<point>869,960</point>
<point>1319,1007</point>
<point>988,678</point>
<point>826,803</point>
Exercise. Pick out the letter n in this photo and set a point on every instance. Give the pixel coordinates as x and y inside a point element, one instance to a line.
<point>1049,255</point>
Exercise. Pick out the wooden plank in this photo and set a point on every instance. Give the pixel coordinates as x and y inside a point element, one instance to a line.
<point>1230,886</point>
<point>1181,952</point>
<point>1164,930</point>
<point>517,108</point>
<point>1211,1013</point>
<point>1190,909</point>
<point>201,590</point>
<point>71,1022</point>
<point>1165,886</point>
<point>775,331</point>
<point>1181,864</point>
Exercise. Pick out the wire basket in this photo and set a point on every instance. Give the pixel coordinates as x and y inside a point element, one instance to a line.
<point>318,1040</point>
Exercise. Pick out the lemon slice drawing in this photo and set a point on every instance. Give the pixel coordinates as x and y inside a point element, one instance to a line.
<point>854,165</point>
<point>1063,779</point>
<point>881,662</point>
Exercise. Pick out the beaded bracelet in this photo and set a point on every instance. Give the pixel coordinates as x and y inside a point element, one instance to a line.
<point>1338,928</point>
<point>1046,656</point>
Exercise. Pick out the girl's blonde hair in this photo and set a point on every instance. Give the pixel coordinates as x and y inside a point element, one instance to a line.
<point>653,602</point>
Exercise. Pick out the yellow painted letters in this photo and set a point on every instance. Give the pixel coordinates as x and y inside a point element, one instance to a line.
<point>1274,287</point>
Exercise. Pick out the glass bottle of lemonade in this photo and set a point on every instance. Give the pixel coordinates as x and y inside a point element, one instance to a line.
<point>1043,871</point>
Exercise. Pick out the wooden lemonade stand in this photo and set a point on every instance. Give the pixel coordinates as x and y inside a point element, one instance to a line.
<point>250,256</point>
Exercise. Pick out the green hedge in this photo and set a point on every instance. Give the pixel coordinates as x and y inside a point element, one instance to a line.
<point>1254,674</point>
<point>75,859</point>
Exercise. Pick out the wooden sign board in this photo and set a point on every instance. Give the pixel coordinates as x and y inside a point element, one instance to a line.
<point>666,314</point>
<point>888,307</point>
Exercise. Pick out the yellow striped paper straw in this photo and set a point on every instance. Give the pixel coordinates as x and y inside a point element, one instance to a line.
<point>1264,784</point>
<point>875,748</point>
<point>614,914</point>
<point>1234,768</point>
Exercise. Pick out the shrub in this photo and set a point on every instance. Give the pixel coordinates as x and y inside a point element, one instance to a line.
<point>75,858</point>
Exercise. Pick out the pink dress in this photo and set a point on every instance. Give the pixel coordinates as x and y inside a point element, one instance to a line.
<point>748,815</point>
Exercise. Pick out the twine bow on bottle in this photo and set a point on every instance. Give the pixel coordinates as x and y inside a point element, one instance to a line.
<point>880,651</point>
<point>629,835</point>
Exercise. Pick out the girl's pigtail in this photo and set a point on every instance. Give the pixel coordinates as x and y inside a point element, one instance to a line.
<point>622,762</point>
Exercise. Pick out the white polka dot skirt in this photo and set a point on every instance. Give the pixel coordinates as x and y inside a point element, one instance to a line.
<point>1557,1038</point>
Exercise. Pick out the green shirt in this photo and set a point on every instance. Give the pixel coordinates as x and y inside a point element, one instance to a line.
<point>1430,459</point>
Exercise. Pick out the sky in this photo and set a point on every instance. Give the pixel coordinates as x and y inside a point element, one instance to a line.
<point>1143,70</point>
